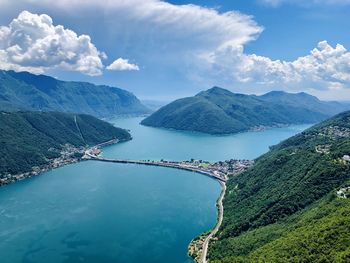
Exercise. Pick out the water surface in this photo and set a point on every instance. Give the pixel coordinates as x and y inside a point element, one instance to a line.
<point>105,212</point>
<point>155,144</point>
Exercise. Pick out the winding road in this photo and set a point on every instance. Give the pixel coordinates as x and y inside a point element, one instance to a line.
<point>217,226</point>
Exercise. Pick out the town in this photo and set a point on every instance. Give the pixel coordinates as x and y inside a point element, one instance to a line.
<point>67,155</point>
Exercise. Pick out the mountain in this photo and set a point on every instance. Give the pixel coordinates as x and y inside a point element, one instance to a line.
<point>219,111</point>
<point>30,139</point>
<point>26,91</point>
<point>304,100</point>
<point>293,205</point>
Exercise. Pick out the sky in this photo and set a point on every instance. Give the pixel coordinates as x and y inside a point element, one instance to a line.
<point>163,50</point>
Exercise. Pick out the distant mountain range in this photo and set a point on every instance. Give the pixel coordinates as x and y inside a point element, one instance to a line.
<point>293,205</point>
<point>219,111</point>
<point>26,91</point>
<point>30,139</point>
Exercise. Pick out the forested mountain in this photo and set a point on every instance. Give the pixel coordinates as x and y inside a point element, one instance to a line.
<point>30,139</point>
<point>305,101</point>
<point>26,91</point>
<point>219,111</point>
<point>293,205</point>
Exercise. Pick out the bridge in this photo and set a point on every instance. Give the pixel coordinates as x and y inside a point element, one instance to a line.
<point>169,164</point>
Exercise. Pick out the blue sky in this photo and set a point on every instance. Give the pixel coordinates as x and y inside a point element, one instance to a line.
<point>165,50</point>
<point>291,30</point>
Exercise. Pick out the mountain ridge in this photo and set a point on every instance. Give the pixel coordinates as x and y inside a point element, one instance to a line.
<point>219,111</point>
<point>26,91</point>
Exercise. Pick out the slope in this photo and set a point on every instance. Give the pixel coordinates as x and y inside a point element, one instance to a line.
<point>285,208</point>
<point>30,139</point>
<point>26,91</point>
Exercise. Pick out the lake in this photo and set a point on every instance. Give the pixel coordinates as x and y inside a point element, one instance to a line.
<point>155,144</point>
<point>104,212</point>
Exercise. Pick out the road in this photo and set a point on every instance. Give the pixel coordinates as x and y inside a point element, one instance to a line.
<point>217,226</point>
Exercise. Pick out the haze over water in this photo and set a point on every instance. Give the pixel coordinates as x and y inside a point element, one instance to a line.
<point>105,212</point>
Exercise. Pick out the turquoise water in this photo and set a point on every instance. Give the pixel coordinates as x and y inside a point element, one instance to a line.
<point>105,212</point>
<point>155,144</point>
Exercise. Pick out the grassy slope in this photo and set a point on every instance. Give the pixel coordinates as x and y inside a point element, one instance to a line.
<point>284,208</point>
<point>26,137</point>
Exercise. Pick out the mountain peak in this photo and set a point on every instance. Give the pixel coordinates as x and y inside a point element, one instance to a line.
<point>217,91</point>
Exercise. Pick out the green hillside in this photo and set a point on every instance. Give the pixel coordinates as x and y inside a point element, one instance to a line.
<point>219,111</point>
<point>286,207</point>
<point>30,139</point>
<point>26,91</point>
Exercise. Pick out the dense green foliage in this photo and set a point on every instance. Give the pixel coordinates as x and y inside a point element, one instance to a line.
<point>285,208</point>
<point>219,111</point>
<point>317,234</point>
<point>29,139</point>
<point>25,91</point>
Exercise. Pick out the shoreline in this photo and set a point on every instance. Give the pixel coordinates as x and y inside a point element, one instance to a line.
<point>198,247</point>
<point>67,157</point>
<point>260,128</point>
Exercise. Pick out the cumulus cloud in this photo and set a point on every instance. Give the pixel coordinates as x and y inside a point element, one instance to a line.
<point>33,43</point>
<point>122,64</point>
<point>326,67</point>
<point>166,32</point>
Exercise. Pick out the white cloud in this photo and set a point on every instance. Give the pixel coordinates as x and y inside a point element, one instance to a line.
<point>31,42</point>
<point>122,64</point>
<point>152,31</point>
<point>325,68</point>
<point>205,27</point>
